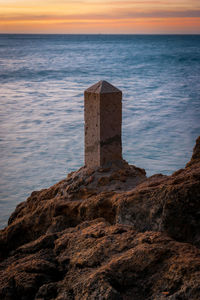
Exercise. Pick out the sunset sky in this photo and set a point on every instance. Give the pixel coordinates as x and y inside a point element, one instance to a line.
<point>94,16</point>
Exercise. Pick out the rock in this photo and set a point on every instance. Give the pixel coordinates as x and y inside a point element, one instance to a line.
<point>196,154</point>
<point>106,234</point>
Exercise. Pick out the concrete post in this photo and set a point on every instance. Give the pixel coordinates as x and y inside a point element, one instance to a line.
<point>103,120</point>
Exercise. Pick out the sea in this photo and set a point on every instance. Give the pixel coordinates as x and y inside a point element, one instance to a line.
<point>42,81</point>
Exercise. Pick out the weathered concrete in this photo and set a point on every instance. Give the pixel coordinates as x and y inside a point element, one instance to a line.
<point>103,120</point>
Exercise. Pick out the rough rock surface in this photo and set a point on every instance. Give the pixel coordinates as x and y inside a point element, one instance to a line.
<point>106,234</point>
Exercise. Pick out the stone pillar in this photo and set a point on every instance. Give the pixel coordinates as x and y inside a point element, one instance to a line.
<point>103,120</point>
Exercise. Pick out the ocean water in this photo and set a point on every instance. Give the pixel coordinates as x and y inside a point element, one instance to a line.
<point>42,79</point>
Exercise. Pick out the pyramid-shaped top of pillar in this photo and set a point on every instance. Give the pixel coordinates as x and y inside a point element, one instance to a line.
<point>102,87</point>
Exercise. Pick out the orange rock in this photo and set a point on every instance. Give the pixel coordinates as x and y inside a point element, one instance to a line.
<point>75,242</point>
<point>165,293</point>
<point>103,181</point>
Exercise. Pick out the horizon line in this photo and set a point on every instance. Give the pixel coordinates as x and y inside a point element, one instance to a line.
<point>42,33</point>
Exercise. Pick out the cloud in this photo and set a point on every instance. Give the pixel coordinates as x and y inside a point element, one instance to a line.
<point>162,14</point>
<point>117,15</point>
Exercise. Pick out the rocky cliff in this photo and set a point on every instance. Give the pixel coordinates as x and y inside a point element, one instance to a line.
<point>106,234</point>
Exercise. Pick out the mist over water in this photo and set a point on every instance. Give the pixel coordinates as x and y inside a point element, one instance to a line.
<point>42,80</point>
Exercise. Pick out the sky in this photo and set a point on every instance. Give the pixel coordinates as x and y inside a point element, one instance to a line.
<point>94,16</point>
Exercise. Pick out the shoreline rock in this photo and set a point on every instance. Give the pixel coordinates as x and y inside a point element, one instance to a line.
<point>106,233</point>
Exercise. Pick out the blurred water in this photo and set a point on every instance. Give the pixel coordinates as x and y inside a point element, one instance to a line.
<point>42,79</point>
